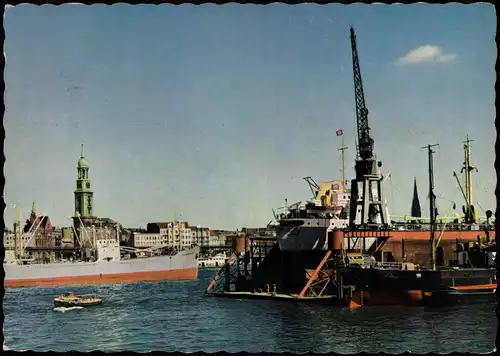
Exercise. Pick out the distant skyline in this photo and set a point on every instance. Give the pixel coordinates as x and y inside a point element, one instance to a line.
<point>218,112</point>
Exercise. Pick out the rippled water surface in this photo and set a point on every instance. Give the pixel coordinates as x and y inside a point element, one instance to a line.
<point>176,316</point>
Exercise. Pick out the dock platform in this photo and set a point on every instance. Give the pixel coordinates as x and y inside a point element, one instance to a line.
<point>327,299</point>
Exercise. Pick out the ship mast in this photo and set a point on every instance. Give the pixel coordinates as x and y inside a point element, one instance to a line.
<point>19,225</point>
<point>19,231</point>
<point>470,211</point>
<point>432,199</point>
<point>175,225</point>
<point>342,151</point>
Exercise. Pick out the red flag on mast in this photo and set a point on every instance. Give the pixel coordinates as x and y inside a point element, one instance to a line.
<point>339,132</point>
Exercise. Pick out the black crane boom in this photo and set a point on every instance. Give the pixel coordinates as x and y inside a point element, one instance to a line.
<point>368,205</point>
<point>365,142</point>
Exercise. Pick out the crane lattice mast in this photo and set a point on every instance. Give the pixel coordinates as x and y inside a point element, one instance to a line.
<point>365,142</point>
<point>368,205</point>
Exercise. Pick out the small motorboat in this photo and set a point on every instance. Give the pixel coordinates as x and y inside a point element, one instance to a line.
<point>77,300</point>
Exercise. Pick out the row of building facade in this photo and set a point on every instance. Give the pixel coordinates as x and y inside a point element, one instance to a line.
<point>173,234</point>
<point>168,234</point>
<point>39,233</point>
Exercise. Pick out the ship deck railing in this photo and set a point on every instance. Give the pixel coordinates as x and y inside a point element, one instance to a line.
<point>425,226</point>
<point>392,265</point>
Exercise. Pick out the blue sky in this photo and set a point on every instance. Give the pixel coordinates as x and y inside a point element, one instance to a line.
<point>220,111</point>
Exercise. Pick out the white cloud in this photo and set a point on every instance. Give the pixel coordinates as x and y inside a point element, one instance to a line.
<point>426,53</point>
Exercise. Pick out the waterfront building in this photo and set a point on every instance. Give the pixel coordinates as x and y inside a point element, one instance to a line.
<point>127,236</point>
<point>204,236</point>
<point>56,237</point>
<point>213,239</point>
<point>221,239</point>
<point>156,234</point>
<point>196,235</point>
<point>171,234</point>
<point>181,232</point>
<point>9,239</point>
<point>225,237</point>
<point>40,228</point>
<point>199,235</point>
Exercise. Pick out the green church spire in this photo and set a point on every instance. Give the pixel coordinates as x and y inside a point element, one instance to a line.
<point>83,193</point>
<point>33,207</point>
<point>82,162</point>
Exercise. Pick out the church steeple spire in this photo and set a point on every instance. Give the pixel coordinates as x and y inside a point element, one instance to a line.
<point>33,208</point>
<point>416,211</point>
<point>83,193</point>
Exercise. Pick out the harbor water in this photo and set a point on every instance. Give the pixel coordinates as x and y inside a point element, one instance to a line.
<point>176,316</point>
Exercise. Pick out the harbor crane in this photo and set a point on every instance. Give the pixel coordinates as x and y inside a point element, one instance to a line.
<point>368,205</point>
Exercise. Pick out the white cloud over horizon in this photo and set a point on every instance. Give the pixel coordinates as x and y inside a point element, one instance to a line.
<point>426,53</point>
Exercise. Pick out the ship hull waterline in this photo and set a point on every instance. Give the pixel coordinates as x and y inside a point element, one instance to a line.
<point>419,298</point>
<point>117,278</point>
<point>422,287</point>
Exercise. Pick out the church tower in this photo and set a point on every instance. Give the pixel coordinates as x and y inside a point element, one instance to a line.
<point>416,212</point>
<point>83,193</point>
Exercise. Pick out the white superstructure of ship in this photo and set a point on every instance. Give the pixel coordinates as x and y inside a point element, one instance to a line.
<point>305,226</point>
<point>213,262</point>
